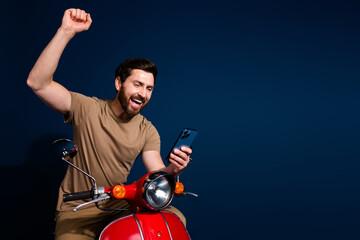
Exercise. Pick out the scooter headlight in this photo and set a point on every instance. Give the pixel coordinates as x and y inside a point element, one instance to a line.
<point>159,189</point>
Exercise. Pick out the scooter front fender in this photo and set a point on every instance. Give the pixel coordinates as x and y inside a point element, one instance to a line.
<point>146,226</point>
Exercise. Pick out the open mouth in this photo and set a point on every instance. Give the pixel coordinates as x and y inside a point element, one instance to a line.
<point>136,102</point>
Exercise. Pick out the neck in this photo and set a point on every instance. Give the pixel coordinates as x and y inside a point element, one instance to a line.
<point>118,110</point>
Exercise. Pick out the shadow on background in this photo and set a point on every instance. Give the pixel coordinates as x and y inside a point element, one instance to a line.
<point>29,202</point>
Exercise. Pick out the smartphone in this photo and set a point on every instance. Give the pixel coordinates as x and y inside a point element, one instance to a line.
<point>185,139</point>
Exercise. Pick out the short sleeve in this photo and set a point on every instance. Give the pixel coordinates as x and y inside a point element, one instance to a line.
<point>152,142</point>
<point>80,104</point>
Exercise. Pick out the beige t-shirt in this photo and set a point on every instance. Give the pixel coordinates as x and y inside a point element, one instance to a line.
<point>108,146</point>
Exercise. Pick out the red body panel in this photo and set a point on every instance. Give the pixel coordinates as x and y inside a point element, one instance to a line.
<point>124,228</point>
<point>178,231</point>
<point>134,194</point>
<point>153,226</point>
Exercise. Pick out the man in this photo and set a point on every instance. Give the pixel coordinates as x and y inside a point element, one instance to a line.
<point>110,133</point>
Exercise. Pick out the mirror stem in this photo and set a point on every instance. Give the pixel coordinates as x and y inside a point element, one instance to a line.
<point>95,187</point>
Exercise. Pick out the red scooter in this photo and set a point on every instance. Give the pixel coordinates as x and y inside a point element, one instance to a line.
<point>147,197</point>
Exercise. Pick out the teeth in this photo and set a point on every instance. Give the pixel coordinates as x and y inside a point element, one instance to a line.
<point>137,101</point>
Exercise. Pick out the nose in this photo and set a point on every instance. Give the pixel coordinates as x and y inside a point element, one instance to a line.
<point>142,93</point>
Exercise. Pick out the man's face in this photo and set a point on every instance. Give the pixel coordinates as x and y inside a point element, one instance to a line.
<point>135,92</point>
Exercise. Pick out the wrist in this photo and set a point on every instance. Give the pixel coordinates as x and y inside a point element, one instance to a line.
<point>66,32</point>
<point>171,169</point>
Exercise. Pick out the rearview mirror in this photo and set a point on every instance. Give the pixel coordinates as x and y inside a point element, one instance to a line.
<point>64,148</point>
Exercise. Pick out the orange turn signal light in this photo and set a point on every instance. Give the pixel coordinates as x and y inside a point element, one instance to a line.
<point>119,191</point>
<point>179,188</point>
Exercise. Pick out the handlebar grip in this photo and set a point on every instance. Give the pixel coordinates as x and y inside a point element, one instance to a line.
<point>77,196</point>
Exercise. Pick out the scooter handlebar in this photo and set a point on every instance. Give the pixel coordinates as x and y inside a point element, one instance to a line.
<point>78,196</point>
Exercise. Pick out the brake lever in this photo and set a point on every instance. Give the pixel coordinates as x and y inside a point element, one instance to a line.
<point>100,198</point>
<point>183,194</point>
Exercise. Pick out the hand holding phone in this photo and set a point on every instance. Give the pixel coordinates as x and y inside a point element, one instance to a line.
<point>185,139</point>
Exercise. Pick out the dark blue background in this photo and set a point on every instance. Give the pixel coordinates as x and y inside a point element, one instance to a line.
<point>272,86</point>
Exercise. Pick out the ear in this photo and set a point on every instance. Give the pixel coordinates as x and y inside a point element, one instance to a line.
<point>117,83</point>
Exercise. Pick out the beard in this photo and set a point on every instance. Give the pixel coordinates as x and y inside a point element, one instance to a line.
<point>125,104</point>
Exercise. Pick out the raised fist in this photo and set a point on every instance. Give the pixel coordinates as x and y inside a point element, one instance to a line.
<point>76,20</point>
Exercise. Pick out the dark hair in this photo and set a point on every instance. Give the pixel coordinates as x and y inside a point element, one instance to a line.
<point>124,69</point>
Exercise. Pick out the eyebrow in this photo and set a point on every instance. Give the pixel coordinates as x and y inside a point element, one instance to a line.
<point>142,84</point>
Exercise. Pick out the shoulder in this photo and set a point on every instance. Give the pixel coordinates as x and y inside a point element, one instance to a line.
<point>152,137</point>
<point>82,106</point>
<point>83,98</point>
<point>147,126</point>
<point>79,100</point>
<point>143,121</point>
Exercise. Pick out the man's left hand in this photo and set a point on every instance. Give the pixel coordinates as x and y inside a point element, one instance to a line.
<point>180,158</point>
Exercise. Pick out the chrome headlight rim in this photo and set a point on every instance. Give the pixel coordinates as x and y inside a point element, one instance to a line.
<point>156,186</point>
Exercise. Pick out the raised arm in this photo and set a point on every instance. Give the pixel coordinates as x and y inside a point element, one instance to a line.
<point>40,79</point>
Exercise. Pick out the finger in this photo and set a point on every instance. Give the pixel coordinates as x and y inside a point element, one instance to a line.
<point>181,154</point>
<point>88,18</point>
<point>187,150</point>
<point>180,160</point>
<point>71,12</point>
<point>176,158</point>
<point>83,16</point>
<point>78,14</point>
<point>176,164</point>
<point>88,21</point>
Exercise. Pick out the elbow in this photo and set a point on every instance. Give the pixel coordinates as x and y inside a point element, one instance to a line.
<point>31,82</point>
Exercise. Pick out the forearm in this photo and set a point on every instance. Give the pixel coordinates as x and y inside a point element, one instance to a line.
<point>45,67</point>
<point>153,162</point>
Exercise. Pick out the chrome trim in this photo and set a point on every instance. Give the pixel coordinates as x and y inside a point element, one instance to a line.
<point>167,225</point>
<point>152,177</point>
<point>137,222</point>
<point>179,220</point>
